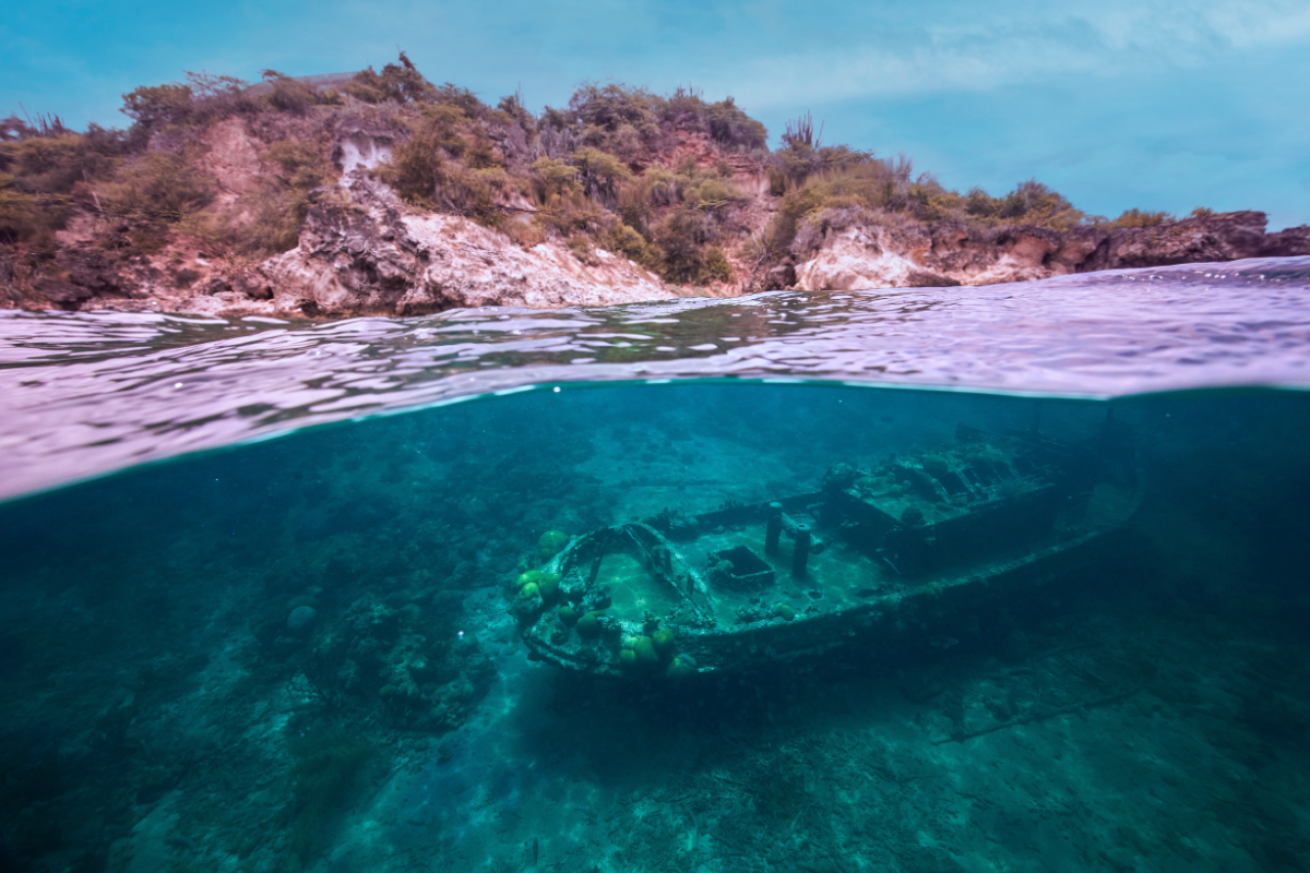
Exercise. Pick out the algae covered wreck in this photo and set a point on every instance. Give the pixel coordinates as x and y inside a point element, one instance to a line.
<point>872,556</point>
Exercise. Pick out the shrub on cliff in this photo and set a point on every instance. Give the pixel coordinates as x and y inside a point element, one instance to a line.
<point>414,170</point>
<point>514,110</point>
<point>53,165</point>
<point>642,196</point>
<point>19,219</point>
<point>401,83</point>
<point>872,186</point>
<point>622,239</point>
<point>419,174</point>
<point>158,186</point>
<point>617,120</point>
<point>46,177</point>
<point>1030,202</point>
<point>713,195</point>
<point>1138,218</point>
<point>724,122</point>
<point>152,106</point>
<point>633,123</point>
<point>730,126</point>
<point>803,155</point>
<point>288,94</point>
<point>552,177</point>
<point>203,99</point>
<point>569,212</point>
<point>682,235</point>
<point>600,173</point>
<point>271,216</point>
<point>717,268</point>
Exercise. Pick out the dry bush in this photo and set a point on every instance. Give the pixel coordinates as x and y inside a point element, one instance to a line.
<point>552,178</point>
<point>415,170</point>
<point>717,268</point>
<point>158,186</point>
<point>525,234</point>
<point>287,94</point>
<point>1138,218</point>
<point>569,212</point>
<point>622,239</point>
<point>20,217</point>
<point>682,235</point>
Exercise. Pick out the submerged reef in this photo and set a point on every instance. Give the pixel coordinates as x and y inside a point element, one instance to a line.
<point>378,655</point>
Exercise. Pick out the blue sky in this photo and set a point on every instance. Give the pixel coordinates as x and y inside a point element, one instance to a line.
<point>1155,104</point>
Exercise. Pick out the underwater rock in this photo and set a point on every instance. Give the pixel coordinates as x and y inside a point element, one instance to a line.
<point>301,618</point>
<point>1016,647</point>
<point>550,543</point>
<point>681,667</point>
<point>839,476</point>
<point>589,626</point>
<point>664,641</point>
<point>784,611</point>
<point>394,659</point>
<point>644,648</point>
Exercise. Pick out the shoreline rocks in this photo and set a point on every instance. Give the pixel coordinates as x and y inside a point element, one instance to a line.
<point>845,253</point>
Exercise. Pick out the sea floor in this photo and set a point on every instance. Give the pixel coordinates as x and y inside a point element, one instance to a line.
<point>1150,715</point>
<point>1102,740</point>
<point>1166,767</point>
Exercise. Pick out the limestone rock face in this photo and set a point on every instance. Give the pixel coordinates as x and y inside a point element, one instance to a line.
<point>846,252</point>
<point>362,252</point>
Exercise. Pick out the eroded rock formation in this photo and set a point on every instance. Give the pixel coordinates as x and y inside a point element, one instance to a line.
<point>363,251</point>
<point>846,252</point>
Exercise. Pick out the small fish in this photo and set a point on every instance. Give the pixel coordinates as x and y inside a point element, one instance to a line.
<point>535,852</point>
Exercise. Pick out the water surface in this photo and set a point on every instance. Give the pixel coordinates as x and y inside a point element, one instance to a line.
<point>85,393</point>
<point>1146,709</point>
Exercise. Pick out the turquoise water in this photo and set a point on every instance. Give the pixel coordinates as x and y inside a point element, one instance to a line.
<point>299,653</point>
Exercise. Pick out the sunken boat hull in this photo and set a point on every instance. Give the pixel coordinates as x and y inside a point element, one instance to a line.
<point>872,557</point>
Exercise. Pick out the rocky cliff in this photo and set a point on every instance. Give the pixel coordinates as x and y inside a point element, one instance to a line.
<point>363,252</point>
<point>851,252</point>
<point>397,197</point>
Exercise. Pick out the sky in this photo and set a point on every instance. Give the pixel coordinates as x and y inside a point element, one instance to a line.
<point>1153,104</point>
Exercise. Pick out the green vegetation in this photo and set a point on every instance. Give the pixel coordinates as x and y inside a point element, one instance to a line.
<point>591,171</point>
<point>330,766</point>
<point>652,178</point>
<point>146,185</point>
<point>589,626</point>
<point>1138,218</point>
<point>399,83</point>
<point>852,187</point>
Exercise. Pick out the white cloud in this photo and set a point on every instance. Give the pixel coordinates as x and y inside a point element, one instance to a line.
<point>963,47</point>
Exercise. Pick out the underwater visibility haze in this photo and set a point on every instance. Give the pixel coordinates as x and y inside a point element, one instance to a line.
<point>1005,579</point>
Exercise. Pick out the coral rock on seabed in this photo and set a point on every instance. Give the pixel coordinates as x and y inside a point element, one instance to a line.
<point>301,618</point>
